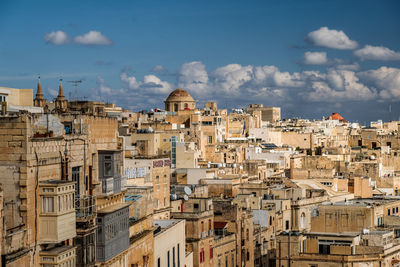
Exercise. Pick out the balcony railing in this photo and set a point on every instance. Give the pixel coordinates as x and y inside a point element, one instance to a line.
<point>107,186</point>
<point>85,207</point>
<point>112,185</point>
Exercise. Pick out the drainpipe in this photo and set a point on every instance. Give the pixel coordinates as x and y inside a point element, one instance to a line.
<point>289,248</point>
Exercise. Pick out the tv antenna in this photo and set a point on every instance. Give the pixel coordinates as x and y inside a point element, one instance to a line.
<point>75,84</point>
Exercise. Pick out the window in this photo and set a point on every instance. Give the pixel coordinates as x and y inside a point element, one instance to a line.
<point>168,258</point>
<point>173,256</point>
<point>48,204</point>
<point>195,205</point>
<point>210,139</point>
<point>175,107</point>
<point>173,149</point>
<point>303,221</point>
<point>48,189</point>
<point>179,255</point>
<point>202,255</point>
<point>158,262</point>
<point>324,249</point>
<point>345,219</point>
<point>76,178</point>
<point>287,225</point>
<point>107,169</point>
<point>211,252</point>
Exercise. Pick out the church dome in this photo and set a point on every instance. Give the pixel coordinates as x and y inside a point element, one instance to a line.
<point>179,95</point>
<point>336,116</point>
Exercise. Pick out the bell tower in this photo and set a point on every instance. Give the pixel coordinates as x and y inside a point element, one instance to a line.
<point>61,103</point>
<point>39,100</point>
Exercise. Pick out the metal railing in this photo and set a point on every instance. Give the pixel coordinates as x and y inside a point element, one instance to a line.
<point>85,207</point>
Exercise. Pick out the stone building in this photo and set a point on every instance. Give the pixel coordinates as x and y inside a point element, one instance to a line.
<point>199,230</point>
<point>169,245</point>
<point>268,114</point>
<point>179,99</point>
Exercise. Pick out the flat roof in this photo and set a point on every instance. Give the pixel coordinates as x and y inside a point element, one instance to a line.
<point>113,208</point>
<point>54,181</point>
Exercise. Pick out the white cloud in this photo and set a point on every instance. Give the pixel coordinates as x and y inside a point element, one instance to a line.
<point>354,66</point>
<point>386,79</point>
<point>315,58</point>
<point>104,90</point>
<point>285,79</point>
<point>56,38</point>
<point>131,81</point>
<point>340,85</point>
<point>193,77</point>
<point>325,37</point>
<point>52,92</point>
<point>231,77</point>
<point>370,52</point>
<point>159,68</point>
<point>151,84</point>
<point>92,38</point>
<point>234,83</point>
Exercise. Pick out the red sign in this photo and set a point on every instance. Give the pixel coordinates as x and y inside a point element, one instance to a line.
<point>161,163</point>
<point>158,163</point>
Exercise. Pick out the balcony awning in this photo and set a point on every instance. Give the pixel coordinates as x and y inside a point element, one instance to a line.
<point>220,225</point>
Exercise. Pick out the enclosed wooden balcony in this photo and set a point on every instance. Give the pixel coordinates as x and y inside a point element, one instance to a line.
<point>58,257</point>
<point>57,211</point>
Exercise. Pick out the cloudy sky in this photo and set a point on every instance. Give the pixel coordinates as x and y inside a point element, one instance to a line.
<point>310,57</point>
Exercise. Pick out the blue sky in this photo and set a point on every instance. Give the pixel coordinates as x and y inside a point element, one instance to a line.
<point>311,58</point>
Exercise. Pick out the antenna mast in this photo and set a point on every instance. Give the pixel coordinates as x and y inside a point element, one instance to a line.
<point>75,83</point>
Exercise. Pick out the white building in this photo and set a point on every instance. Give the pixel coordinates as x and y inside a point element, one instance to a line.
<point>169,244</point>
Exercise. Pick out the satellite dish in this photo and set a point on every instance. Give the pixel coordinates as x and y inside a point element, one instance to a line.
<point>187,190</point>
<point>185,197</point>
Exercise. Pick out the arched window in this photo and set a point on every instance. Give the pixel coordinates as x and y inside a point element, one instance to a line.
<point>302,221</point>
<point>175,107</point>
<point>186,105</point>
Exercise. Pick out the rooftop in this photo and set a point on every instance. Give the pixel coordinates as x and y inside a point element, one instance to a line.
<point>113,208</point>
<point>179,95</point>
